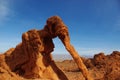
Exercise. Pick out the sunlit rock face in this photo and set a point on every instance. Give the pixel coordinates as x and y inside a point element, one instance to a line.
<point>31,58</point>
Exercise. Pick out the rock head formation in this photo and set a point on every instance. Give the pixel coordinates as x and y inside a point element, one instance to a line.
<point>32,57</point>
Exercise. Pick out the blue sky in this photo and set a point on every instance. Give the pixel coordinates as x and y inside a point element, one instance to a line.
<point>94,25</point>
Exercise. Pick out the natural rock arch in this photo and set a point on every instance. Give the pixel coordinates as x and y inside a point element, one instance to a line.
<point>56,27</point>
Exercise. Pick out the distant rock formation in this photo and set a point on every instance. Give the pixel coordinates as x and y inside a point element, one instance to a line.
<point>108,65</point>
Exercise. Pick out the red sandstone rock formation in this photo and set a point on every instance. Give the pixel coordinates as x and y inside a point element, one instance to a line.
<point>5,72</point>
<point>108,65</point>
<point>56,27</point>
<point>32,58</point>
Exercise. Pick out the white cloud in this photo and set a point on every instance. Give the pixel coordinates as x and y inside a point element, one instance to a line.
<point>4,10</point>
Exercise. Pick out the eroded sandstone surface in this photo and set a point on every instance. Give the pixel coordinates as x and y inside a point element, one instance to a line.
<point>30,59</point>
